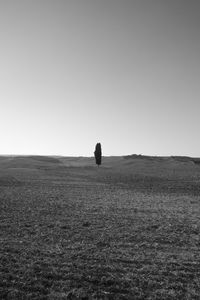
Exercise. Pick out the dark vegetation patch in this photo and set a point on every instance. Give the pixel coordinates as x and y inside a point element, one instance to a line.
<point>196,161</point>
<point>182,158</point>
<point>186,159</point>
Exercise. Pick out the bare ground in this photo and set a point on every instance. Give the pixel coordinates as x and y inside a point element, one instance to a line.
<point>97,233</point>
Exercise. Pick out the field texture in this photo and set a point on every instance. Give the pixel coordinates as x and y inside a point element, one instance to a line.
<point>127,230</point>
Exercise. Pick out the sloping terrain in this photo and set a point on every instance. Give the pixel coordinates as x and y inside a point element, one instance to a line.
<point>127,230</point>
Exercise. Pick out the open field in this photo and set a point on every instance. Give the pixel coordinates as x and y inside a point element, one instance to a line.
<point>127,230</point>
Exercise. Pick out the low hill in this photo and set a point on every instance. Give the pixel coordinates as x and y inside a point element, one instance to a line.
<point>34,166</point>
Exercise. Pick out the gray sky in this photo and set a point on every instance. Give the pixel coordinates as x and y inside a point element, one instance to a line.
<point>125,73</point>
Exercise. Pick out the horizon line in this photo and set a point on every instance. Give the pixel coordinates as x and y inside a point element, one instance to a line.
<point>91,156</point>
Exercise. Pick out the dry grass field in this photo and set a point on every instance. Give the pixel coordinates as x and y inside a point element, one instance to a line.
<point>127,230</point>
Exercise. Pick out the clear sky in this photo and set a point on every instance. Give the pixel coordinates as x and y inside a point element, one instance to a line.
<point>125,73</point>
